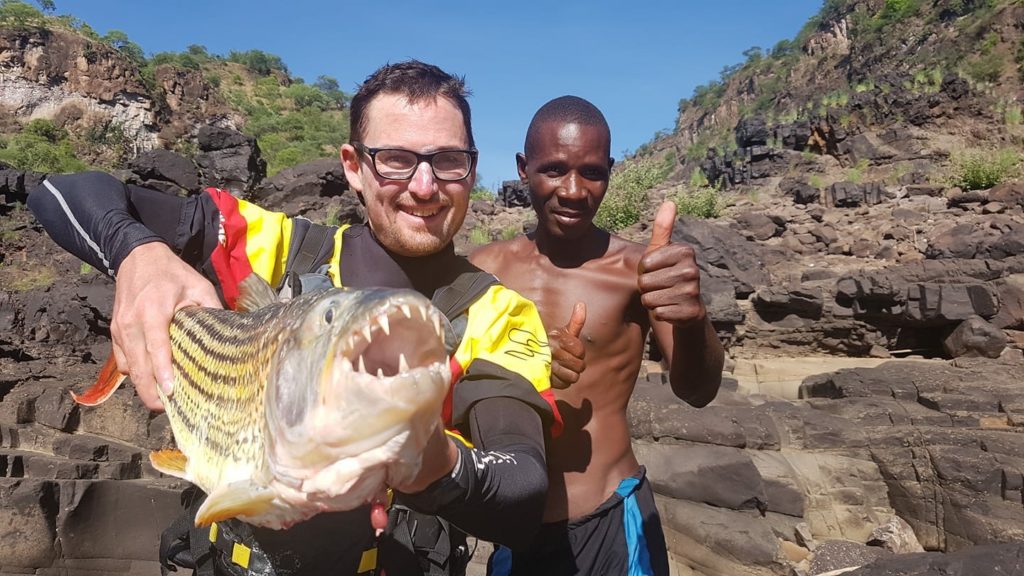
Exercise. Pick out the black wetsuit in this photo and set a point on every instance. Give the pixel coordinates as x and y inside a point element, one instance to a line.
<point>497,492</point>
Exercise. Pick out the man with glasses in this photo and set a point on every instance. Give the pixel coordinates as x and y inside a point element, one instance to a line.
<point>411,160</point>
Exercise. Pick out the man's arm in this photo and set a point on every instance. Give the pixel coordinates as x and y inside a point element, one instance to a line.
<point>669,284</point>
<point>504,402</point>
<point>497,489</point>
<point>93,216</point>
<point>695,357</point>
<point>128,232</point>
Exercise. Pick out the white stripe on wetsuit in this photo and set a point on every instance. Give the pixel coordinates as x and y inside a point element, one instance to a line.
<point>74,222</point>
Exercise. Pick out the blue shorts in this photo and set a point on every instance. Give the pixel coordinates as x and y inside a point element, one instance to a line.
<point>623,537</point>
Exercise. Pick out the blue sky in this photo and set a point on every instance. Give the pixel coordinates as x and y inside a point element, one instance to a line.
<point>633,60</point>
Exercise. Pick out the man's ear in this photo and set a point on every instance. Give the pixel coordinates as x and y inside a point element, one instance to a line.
<point>611,162</point>
<point>521,167</point>
<point>350,162</point>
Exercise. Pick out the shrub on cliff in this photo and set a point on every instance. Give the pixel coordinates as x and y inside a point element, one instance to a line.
<point>16,14</point>
<point>627,193</point>
<point>703,202</point>
<point>40,147</point>
<point>980,170</point>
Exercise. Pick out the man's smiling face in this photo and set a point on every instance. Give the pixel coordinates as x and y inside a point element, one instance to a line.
<point>420,216</point>
<point>567,169</point>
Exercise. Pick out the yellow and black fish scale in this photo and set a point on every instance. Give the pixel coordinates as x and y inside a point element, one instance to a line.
<point>221,364</point>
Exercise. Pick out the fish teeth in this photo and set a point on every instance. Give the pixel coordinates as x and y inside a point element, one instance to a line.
<point>346,364</point>
<point>406,310</point>
<point>423,312</point>
<point>384,325</point>
<point>380,372</point>
<point>403,366</point>
<point>367,334</point>
<point>362,364</point>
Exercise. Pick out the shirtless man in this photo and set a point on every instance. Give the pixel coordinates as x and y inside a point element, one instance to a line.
<point>606,293</point>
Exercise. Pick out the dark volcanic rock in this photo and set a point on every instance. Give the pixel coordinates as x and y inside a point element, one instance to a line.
<point>994,560</point>
<point>758,226</point>
<point>27,511</point>
<point>723,253</point>
<point>229,160</point>
<point>713,475</point>
<point>777,301</point>
<point>514,193</point>
<point>165,170</point>
<point>975,337</point>
<point>752,131</point>
<point>317,190</point>
<point>15,184</point>
<point>850,195</point>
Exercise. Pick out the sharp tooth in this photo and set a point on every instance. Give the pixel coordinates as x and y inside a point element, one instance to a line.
<point>403,366</point>
<point>380,372</point>
<point>406,310</point>
<point>423,312</point>
<point>367,334</point>
<point>383,321</point>
<point>346,364</point>
<point>362,364</point>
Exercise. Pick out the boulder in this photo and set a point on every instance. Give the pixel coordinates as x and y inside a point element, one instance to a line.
<point>166,171</point>
<point>975,337</point>
<point>317,190</point>
<point>229,160</point>
<point>514,193</point>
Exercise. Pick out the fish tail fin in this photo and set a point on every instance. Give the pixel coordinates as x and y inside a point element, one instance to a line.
<point>106,384</point>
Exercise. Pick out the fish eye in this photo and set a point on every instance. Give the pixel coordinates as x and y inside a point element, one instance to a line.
<point>329,315</point>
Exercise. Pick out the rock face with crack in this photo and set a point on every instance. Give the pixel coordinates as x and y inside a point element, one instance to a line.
<point>746,480</point>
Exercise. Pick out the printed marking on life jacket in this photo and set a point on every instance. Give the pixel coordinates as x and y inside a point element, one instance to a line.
<point>529,344</point>
<point>484,459</point>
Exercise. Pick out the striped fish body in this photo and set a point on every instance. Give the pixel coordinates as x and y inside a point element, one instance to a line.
<point>284,410</point>
<point>222,362</point>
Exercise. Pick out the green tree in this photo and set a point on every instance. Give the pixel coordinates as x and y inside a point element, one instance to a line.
<point>258,61</point>
<point>754,54</point>
<point>306,96</point>
<point>47,5</point>
<point>329,86</point>
<point>120,41</point>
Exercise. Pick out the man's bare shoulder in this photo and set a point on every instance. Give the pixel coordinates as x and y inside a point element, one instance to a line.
<point>627,250</point>
<point>496,254</point>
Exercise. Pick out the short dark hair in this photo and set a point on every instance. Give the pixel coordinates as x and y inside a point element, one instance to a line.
<point>416,81</point>
<point>565,110</point>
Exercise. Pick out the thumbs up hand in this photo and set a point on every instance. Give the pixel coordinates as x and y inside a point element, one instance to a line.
<point>567,351</point>
<point>667,275</point>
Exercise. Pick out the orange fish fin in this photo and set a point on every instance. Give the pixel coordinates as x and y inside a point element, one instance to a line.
<point>236,499</point>
<point>170,462</point>
<point>106,384</point>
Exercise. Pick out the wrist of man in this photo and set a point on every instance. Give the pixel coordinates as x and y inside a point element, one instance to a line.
<point>448,488</point>
<point>134,236</point>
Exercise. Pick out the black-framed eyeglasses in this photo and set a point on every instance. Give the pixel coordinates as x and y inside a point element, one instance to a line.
<point>399,164</point>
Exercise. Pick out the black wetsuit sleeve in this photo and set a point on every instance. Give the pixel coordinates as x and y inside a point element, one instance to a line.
<point>497,490</point>
<point>101,220</point>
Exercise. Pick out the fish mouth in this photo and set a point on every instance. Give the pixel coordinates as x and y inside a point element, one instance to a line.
<point>390,373</point>
<point>397,338</point>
